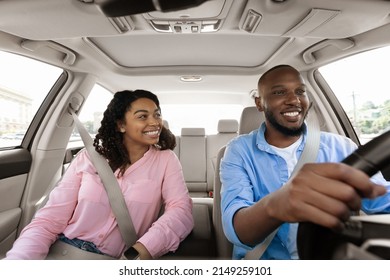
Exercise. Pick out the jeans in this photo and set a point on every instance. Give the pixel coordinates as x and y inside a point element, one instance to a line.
<point>83,245</point>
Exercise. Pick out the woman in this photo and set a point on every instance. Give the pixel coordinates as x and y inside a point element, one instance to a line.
<point>139,150</point>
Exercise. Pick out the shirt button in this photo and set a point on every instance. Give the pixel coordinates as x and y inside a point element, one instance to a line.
<point>100,235</point>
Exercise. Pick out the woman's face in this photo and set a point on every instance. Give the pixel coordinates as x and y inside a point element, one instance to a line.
<point>142,124</point>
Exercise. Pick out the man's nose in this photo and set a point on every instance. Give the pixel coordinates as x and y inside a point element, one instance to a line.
<point>292,98</point>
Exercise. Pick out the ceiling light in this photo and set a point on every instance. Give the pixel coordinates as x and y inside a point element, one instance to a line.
<point>190,78</point>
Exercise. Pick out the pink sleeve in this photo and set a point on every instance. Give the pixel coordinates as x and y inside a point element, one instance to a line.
<point>177,221</point>
<point>35,239</point>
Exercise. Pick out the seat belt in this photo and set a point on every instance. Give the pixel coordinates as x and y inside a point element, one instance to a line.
<point>117,201</point>
<point>309,154</point>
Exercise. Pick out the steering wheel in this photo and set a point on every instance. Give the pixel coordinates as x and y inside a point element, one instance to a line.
<point>317,242</point>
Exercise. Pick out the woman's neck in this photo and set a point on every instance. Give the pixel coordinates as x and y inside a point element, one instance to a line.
<point>136,153</point>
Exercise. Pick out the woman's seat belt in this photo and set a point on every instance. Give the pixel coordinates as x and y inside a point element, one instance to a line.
<point>117,201</point>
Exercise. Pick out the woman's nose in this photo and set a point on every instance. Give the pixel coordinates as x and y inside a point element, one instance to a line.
<point>154,121</point>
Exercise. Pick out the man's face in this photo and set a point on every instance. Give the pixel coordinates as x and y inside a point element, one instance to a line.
<point>284,101</point>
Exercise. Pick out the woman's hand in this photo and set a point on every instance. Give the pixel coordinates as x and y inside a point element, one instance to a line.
<point>143,252</point>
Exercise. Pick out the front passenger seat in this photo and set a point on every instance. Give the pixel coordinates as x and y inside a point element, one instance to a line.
<point>250,120</point>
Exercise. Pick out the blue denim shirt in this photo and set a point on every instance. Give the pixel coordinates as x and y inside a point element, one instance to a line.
<point>251,169</point>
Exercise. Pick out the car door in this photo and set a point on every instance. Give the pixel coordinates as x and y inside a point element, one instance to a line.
<point>26,90</point>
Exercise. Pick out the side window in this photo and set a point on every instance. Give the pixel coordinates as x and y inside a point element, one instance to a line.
<point>361,83</point>
<point>91,114</point>
<point>24,84</point>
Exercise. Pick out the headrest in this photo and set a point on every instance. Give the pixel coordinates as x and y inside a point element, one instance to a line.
<point>228,126</point>
<point>193,131</point>
<point>251,119</point>
<point>165,123</point>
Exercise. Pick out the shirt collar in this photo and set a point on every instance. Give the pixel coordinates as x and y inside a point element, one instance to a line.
<point>263,145</point>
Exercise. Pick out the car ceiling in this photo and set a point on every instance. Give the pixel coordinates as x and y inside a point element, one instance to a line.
<point>128,52</point>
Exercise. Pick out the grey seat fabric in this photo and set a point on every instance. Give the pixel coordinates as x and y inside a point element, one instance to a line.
<point>227,130</point>
<point>200,243</point>
<point>177,148</point>
<point>224,247</point>
<point>193,160</point>
<point>251,119</point>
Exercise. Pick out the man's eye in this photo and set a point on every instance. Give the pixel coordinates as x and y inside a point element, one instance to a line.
<point>278,92</point>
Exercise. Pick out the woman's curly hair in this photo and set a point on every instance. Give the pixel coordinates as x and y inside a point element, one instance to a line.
<point>109,140</point>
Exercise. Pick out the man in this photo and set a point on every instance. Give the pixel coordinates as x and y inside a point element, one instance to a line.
<point>257,194</point>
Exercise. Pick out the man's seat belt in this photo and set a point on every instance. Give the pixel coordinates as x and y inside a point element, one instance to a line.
<point>309,154</point>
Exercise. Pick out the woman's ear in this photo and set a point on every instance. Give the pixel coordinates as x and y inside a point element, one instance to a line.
<point>259,104</point>
<point>121,127</point>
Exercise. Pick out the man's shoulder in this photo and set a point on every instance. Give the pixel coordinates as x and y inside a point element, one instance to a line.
<point>243,139</point>
<point>334,136</point>
<point>333,139</point>
<point>242,144</point>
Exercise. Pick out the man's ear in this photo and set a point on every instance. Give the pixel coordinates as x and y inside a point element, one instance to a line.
<point>259,104</point>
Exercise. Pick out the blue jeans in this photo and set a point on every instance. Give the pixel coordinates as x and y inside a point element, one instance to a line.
<point>81,244</point>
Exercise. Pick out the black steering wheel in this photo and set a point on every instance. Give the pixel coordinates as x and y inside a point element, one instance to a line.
<point>320,243</point>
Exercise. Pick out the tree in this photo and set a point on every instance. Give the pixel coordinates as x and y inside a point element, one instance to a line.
<point>368,105</point>
<point>365,126</point>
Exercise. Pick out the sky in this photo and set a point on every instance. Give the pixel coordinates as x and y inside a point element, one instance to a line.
<point>367,78</point>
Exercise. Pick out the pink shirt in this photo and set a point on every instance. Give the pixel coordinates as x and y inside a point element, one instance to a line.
<point>79,207</point>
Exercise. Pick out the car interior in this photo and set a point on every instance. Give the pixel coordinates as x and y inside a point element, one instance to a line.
<point>203,60</point>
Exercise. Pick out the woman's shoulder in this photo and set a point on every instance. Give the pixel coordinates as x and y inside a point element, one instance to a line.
<point>167,156</point>
<point>82,155</point>
<point>164,153</point>
<point>83,160</point>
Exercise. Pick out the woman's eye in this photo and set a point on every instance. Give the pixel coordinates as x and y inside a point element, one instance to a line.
<point>300,92</point>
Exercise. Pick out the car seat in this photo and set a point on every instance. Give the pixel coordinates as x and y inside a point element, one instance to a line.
<point>250,120</point>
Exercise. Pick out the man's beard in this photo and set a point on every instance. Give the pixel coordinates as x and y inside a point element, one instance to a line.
<point>282,129</point>
<point>285,130</point>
